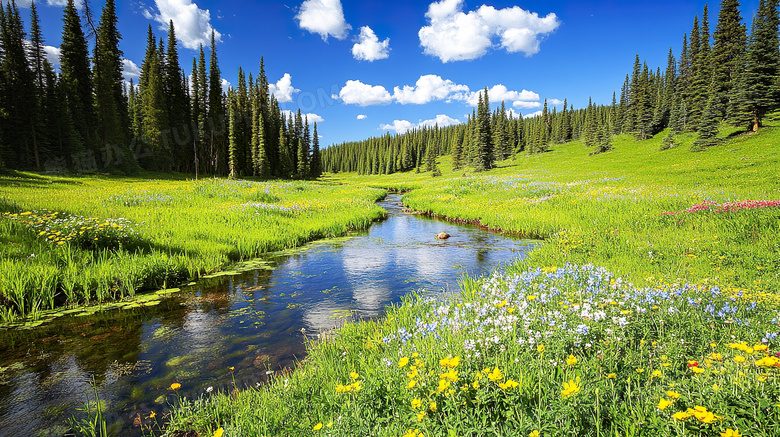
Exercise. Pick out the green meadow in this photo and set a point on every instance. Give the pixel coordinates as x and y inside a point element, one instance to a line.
<point>650,309</point>
<point>69,242</point>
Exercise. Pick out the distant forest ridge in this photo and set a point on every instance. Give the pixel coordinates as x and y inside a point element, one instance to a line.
<point>728,75</point>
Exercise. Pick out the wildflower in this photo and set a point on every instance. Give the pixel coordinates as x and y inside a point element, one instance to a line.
<point>421,416</point>
<point>716,357</point>
<point>495,375</point>
<point>502,304</point>
<point>657,374</point>
<point>175,386</point>
<point>534,433</point>
<point>570,388</point>
<point>403,362</point>
<point>673,394</point>
<point>413,433</point>
<point>681,415</point>
<point>760,347</point>
<point>450,362</point>
<point>540,348</point>
<point>451,375</point>
<point>663,403</point>
<point>572,360</point>
<point>443,385</point>
<point>640,370</point>
<point>509,384</point>
<point>218,432</point>
<point>416,403</point>
<point>730,433</point>
<point>432,406</point>
<point>612,376</point>
<point>317,427</point>
<point>354,375</point>
<point>739,359</point>
<point>411,384</point>
<point>768,362</point>
<point>152,415</point>
<point>413,373</point>
<point>697,370</point>
<point>693,363</point>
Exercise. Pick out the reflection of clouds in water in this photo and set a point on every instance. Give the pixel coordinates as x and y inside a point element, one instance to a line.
<point>323,314</point>
<point>200,332</point>
<point>371,298</point>
<point>431,264</point>
<point>362,261</point>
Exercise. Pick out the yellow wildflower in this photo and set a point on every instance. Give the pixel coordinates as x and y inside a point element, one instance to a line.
<point>175,386</point>
<point>421,416</point>
<point>612,376</point>
<point>317,427</point>
<point>411,384</point>
<point>540,348</point>
<point>509,384</point>
<point>739,359</point>
<point>432,406</point>
<point>673,394</point>
<point>403,362</point>
<point>663,403</point>
<point>534,433</point>
<point>572,360</point>
<point>681,415</point>
<point>416,403</point>
<point>218,432</point>
<point>450,362</point>
<point>495,375</point>
<point>354,375</point>
<point>730,433</point>
<point>451,375</point>
<point>570,388</point>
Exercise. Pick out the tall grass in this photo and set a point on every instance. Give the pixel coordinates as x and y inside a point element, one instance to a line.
<point>73,241</point>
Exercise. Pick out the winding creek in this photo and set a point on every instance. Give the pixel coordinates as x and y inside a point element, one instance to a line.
<point>253,322</point>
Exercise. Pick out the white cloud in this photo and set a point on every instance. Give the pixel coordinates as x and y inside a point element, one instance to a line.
<point>500,93</point>
<point>527,105</point>
<point>356,92</point>
<point>226,85</point>
<point>130,70</point>
<point>53,55</point>
<point>555,102</point>
<point>399,126</point>
<point>283,89</point>
<point>311,117</point>
<point>533,114</point>
<point>369,48</point>
<point>362,117</point>
<point>403,126</point>
<point>428,88</point>
<point>456,36</point>
<point>325,17</point>
<point>192,24</point>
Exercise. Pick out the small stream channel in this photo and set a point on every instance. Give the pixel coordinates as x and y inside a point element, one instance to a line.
<point>251,322</point>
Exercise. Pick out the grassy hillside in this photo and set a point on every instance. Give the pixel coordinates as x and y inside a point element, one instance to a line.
<point>75,241</point>
<point>609,209</point>
<point>650,310</point>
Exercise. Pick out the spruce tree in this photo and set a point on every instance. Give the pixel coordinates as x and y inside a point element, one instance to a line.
<point>315,166</point>
<point>708,127</point>
<point>484,158</point>
<point>762,67</point>
<point>178,105</point>
<point>112,118</point>
<point>216,113</point>
<point>730,43</point>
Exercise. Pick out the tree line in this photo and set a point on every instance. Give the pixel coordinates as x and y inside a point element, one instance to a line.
<point>724,76</point>
<point>85,118</point>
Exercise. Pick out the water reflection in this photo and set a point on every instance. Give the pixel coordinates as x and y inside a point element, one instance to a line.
<point>251,322</point>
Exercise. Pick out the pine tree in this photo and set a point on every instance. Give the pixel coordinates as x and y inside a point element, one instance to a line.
<point>216,113</point>
<point>730,44</point>
<point>304,148</point>
<point>669,141</point>
<point>178,105</point>
<point>484,152</point>
<point>37,52</point>
<point>74,58</point>
<point>758,82</point>
<point>708,127</point>
<point>19,105</point>
<point>112,118</point>
<point>591,127</point>
<point>315,166</point>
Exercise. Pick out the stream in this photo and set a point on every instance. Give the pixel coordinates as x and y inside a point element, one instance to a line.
<point>230,331</point>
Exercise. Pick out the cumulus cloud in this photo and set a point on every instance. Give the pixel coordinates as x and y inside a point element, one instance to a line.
<point>226,85</point>
<point>403,126</point>
<point>369,48</point>
<point>500,93</point>
<point>428,88</point>
<point>555,102</point>
<point>53,55</point>
<point>527,105</point>
<point>325,17</point>
<point>533,114</point>
<point>452,35</point>
<point>192,24</point>
<point>356,92</point>
<point>311,117</point>
<point>283,89</point>
<point>362,117</point>
<point>130,70</point>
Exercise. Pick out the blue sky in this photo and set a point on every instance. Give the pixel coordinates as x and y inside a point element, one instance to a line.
<point>365,68</point>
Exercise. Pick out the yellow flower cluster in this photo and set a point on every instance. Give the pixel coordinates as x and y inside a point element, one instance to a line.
<point>350,388</point>
<point>699,412</point>
<point>571,388</point>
